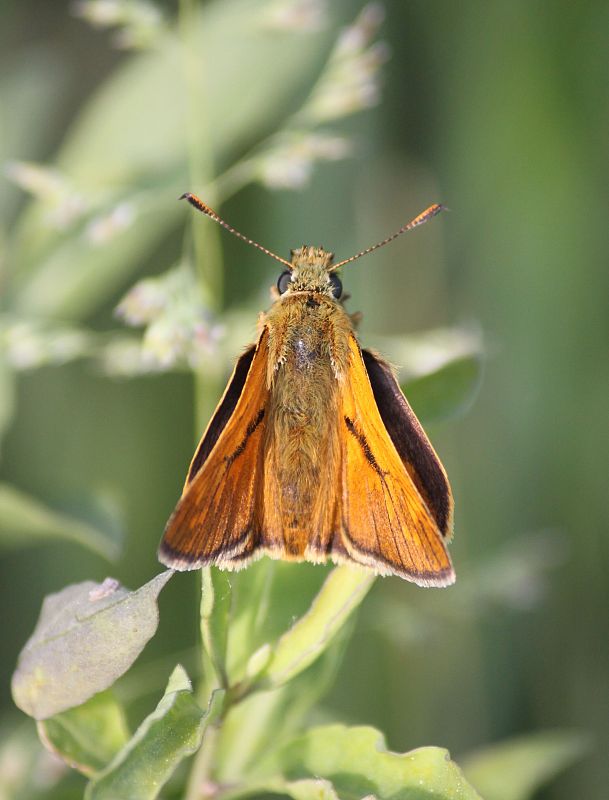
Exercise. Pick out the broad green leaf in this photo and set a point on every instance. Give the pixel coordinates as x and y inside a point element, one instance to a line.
<point>215,611</point>
<point>136,122</point>
<point>253,616</point>
<point>31,79</point>
<point>25,520</point>
<point>59,287</point>
<point>438,370</point>
<point>357,763</point>
<point>173,731</point>
<point>447,392</point>
<point>515,769</point>
<point>342,592</point>
<point>89,736</point>
<point>87,636</point>
<point>131,143</point>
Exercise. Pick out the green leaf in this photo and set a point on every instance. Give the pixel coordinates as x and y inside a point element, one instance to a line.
<point>357,763</point>
<point>131,142</point>
<point>56,287</point>
<point>151,93</point>
<point>30,79</point>
<point>515,769</point>
<point>438,370</point>
<point>216,598</point>
<point>447,392</point>
<point>25,520</point>
<point>173,731</point>
<point>257,605</point>
<point>342,592</point>
<point>87,636</point>
<point>89,736</point>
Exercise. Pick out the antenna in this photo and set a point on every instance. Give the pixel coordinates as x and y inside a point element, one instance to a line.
<point>414,223</point>
<point>201,206</point>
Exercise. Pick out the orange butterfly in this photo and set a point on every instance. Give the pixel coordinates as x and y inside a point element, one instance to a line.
<point>313,452</point>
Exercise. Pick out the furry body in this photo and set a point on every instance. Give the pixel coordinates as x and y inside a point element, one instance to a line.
<point>313,452</point>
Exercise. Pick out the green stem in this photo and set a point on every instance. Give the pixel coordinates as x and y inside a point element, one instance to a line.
<point>215,611</point>
<point>206,239</point>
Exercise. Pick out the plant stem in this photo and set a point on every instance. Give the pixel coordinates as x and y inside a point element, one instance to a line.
<point>206,239</point>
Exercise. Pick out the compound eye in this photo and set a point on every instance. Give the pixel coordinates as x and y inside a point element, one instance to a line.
<point>283,281</point>
<point>336,286</point>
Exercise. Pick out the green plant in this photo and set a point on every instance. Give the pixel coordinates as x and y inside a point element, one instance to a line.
<point>97,214</point>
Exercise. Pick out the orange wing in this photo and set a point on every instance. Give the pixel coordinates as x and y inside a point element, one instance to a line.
<point>215,521</point>
<point>386,523</point>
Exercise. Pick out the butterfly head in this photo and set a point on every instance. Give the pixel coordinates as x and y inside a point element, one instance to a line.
<point>311,268</point>
<point>310,272</point>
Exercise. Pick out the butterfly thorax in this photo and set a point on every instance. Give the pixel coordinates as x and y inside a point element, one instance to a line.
<point>308,337</point>
<point>308,358</point>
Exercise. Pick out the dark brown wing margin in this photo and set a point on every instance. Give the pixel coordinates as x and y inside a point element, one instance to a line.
<point>410,441</point>
<point>223,412</point>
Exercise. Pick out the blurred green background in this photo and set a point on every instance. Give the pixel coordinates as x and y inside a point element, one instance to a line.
<point>498,110</point>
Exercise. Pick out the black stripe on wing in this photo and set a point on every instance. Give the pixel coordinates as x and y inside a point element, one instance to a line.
<point>223,412</point>
<point>410,441</point>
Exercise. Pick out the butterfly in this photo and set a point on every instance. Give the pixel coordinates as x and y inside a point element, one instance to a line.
<point>313,452</point>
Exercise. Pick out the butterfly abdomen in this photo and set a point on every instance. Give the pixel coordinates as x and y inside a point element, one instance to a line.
<point>302,472</point>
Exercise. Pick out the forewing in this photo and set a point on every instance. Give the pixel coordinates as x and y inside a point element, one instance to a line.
<point>215,521</point>
<point>386,523</point>
<point>411,442</point>
<point>223,412</point>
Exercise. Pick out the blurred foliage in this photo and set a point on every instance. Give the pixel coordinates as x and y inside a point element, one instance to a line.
<point>112,109</point>
<point>513,769</point>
